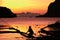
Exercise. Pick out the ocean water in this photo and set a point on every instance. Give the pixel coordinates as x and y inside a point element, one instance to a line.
<point>11,36</point>
<point>23,23</point>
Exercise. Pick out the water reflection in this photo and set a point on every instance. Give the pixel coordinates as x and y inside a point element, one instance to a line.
<point>23,24</point>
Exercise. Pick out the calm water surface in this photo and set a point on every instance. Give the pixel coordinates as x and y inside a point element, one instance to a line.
<point>23,23</point>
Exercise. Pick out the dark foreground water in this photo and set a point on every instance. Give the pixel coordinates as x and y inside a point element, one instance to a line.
<point>23,23</point>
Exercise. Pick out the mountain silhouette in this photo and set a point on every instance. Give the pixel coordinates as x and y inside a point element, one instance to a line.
<point>6,13</point>
<point>53,10</point>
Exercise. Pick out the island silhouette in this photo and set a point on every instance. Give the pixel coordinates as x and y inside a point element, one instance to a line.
<point>53,10</point>
<point>6,13</point>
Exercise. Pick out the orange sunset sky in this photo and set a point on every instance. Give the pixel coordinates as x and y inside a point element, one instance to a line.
<point>18,6</point>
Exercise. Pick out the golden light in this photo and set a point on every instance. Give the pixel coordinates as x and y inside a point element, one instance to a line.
<point>26,5</point>
<point>22,28</point>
